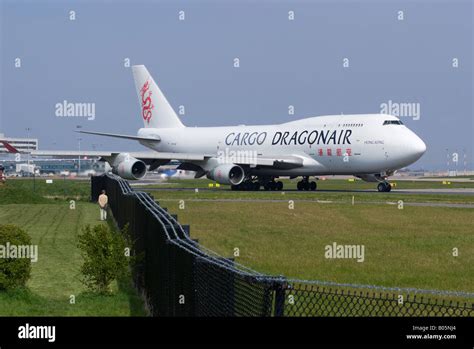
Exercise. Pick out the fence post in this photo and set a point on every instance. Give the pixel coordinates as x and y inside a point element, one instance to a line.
<point>97,184</point>
<point>187,229</point>
<point>280,286</point>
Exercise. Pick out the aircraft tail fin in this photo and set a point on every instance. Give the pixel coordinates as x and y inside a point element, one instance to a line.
<point>10,148</point>
<point>155,109</point>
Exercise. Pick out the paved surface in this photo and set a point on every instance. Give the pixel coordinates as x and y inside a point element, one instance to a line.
<point>454,191</point>
<point>426,204</point>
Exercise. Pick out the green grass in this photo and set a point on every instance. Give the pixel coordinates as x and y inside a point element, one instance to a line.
<point>329,184</point>
<point>403,248</point>
<point>27,190</point>
<point>336,197</point>
<point>55,276</point>
<point>336,190</point>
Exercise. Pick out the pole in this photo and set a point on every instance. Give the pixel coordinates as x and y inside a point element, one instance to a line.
<point>79,164</point>
<point>79,160</point>
<point>28,148</point>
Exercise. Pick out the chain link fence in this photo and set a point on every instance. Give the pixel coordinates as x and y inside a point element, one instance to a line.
<point>179,277</point>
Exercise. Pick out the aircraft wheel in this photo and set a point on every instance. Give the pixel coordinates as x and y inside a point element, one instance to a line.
<point>279,185</point>
<point>384,187</point>
<point>299,185</point>
<point>273,186</point>
<point>256,186</point>
<point>266,186</point>
<point>306,186</point>
<point>313,186</point>
<point>381,187</point>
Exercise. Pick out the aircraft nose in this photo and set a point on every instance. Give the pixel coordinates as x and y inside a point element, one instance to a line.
<point>418,146</point>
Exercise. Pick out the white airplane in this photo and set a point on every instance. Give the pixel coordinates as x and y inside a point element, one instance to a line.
<point>369,146</point>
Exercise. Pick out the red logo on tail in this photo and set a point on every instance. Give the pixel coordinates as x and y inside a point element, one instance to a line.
<point>147,105</point>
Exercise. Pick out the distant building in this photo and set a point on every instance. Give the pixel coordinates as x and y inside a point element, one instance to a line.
<point>19,143</point>
<point>53,166</point>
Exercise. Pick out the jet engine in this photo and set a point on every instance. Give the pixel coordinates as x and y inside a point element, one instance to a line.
<point>128,167</point>
<point>227,174</point>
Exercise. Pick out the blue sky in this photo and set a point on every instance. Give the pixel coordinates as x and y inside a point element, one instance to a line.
<point>282,63</point>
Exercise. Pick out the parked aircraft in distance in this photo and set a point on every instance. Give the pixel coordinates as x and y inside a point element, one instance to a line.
<point>369,146</point>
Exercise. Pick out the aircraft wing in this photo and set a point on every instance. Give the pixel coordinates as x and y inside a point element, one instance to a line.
<point>275,161</point>
<point>144,155</point>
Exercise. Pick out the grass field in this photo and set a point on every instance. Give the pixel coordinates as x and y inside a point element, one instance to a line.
<point>331,184</point>
<point>29,190</point>
<point>335,197</point>
<point>411,247</point>
<point>403,248</point>
<point>55,277</point>
<point>336,190</point>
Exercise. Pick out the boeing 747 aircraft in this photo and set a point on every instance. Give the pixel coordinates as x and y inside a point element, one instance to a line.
<point>369,146</point>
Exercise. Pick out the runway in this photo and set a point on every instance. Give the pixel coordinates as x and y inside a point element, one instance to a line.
<point>447,191</point>
<point>421,204</point>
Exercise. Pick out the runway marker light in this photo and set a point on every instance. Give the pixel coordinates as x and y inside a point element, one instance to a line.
<point>211,185</point>
<point>218,185</point>
<point>351,180</point>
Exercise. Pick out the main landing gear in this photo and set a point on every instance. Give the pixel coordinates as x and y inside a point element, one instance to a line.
<point>270,184</point>
<point>305,184</point>
<point>254,183</point>
<point>384,187</point>
<point>273,185</point>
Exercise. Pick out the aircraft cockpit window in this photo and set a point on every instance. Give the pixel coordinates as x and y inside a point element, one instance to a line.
<point>392,122</point>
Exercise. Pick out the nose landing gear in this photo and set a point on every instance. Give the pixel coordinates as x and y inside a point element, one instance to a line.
<point>384,187</point>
